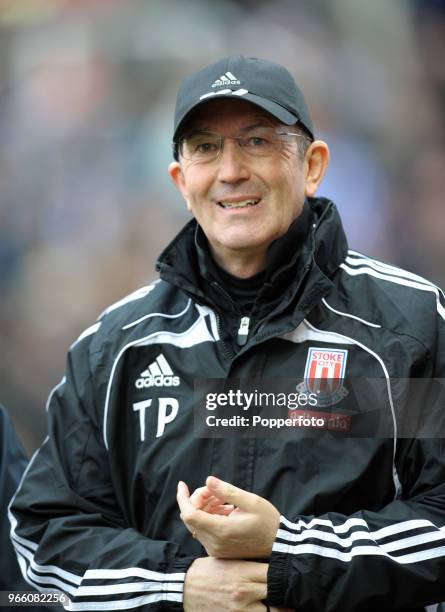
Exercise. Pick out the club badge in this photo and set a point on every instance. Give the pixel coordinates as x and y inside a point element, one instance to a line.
<point>324,374</point>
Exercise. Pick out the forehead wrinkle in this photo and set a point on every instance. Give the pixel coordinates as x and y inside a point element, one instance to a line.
<point>206,130</point>
<point>230,115</point>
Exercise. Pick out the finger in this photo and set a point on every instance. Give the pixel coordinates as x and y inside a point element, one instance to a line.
<point>183,489</point>
<point>194,518</point>
<point>231,494</point>
<point>201,496</point>
<point>204,499</point>
<point>213,502</point>
<point>257,592</point>
<point>253,595</point>
<point>223,510</point>
<point>183,499</point>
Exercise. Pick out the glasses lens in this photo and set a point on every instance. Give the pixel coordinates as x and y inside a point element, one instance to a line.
<point>259,142</point>
<point>200,146</point>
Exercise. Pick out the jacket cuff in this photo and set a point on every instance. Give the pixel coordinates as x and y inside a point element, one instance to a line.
<point>278,572</point>
<point>180,566</point>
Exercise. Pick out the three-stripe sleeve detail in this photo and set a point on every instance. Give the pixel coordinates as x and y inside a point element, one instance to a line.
<point>97,589</point>
<point>100,589</point>
<point>404,542</point>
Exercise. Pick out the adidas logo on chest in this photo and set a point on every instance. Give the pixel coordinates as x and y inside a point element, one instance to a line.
<point>157,374</point>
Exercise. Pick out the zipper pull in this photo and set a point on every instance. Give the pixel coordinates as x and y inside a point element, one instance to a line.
<point>243,331</point>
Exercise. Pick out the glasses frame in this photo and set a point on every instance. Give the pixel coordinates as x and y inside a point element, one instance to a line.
<point>177,145</point>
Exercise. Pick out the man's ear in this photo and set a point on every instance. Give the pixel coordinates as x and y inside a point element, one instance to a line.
<point>316,162</point>
<point>177,176</point>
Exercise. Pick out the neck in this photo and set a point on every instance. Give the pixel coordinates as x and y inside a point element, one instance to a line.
<point>241,265</point>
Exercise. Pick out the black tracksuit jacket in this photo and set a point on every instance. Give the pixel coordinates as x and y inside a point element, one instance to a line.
<point>363,517</point>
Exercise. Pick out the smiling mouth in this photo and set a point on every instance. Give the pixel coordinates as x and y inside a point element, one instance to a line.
<point>240,204</point>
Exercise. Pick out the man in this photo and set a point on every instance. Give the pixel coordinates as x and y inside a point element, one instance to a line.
<point>259,285</point>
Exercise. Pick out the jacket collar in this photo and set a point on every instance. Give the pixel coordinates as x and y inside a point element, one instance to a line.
<point>312,263</point>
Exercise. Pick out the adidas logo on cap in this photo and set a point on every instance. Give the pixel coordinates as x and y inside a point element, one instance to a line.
<point>226,79</point>
<point>157,374</point>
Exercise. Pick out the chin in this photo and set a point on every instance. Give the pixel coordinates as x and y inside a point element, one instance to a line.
<point>241,245</point>
<point>241,239</point>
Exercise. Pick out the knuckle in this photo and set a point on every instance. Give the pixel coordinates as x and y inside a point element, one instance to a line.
<point>187,516</point>
<point>197,492</point>
<point>228,493</point>
<point>238,596</point>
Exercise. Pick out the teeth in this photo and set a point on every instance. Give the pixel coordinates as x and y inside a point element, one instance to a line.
<point>241,204</point>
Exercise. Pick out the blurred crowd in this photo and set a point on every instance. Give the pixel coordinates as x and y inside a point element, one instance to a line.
<point>87,90</point>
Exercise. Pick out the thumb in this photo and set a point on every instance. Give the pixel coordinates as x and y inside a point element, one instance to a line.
<point>230,494</point>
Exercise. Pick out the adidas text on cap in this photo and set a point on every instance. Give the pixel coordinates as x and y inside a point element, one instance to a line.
<point>263,83</point>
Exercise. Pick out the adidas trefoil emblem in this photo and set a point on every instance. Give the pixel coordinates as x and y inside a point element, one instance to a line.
<point>226,79</point>
<point>157,374</point>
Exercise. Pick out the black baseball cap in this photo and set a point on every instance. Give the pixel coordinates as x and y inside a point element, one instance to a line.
<point>263,83</point>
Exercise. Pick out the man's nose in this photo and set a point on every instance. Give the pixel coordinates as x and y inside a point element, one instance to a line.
<point>232,163</point>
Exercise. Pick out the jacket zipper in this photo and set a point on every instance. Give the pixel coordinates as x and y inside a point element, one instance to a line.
<point>243,331</point>
<point>226,348</point>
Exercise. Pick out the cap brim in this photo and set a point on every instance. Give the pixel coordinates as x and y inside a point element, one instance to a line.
<point>276,110</point>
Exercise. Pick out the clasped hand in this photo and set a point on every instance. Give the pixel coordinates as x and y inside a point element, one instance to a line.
<point>229,522</point>
<point>232,525</point>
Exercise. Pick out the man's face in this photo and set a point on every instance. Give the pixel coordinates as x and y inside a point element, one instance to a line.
<point>276,183</point>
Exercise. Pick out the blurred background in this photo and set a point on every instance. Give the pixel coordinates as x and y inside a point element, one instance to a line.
<point>87,90</point>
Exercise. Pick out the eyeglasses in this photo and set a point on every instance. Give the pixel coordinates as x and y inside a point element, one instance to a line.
<point>202,147</point>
